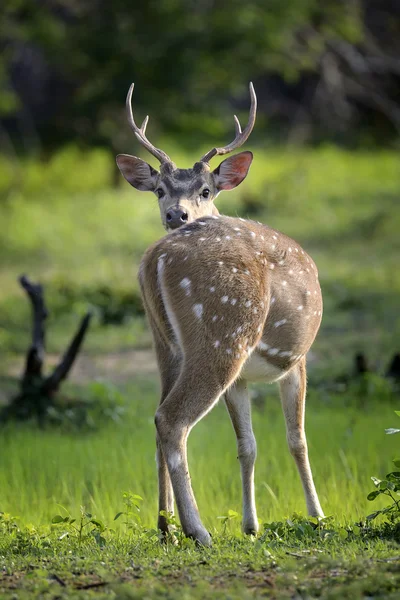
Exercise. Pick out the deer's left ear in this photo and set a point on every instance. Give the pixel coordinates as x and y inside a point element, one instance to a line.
<point>232,171</point>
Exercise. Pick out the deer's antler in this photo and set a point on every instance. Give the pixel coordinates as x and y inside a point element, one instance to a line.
<point>241,136</point>
<point>140,132</point>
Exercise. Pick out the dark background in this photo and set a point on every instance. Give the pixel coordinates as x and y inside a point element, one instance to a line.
<point>322,70</point>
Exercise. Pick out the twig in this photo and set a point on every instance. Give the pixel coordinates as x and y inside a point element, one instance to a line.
<point>88,586</point>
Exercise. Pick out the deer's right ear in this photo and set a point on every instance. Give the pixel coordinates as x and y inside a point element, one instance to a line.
<point>137,172</point>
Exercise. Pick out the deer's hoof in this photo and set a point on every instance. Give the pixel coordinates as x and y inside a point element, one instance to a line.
<point>201,537</point>
<point>250,527</point>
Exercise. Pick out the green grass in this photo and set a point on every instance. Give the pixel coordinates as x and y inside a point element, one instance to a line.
<point>48,472</point>
<point>40,469</point>
<point>135,566</point>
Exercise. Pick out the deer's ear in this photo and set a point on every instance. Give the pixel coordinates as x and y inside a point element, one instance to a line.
<point>232,171</point>
<point>137,172</point>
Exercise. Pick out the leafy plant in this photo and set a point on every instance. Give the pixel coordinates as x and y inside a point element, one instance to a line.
<point>8,523</point>
<point>304,529</point>
<point>132,510</point>
<point>86,527</point>
<point>232,515</point>
<point>390,486</point>
<point>392,430</point>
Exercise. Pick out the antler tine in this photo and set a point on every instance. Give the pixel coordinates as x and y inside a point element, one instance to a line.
<point>241,136</point>
<point>140,132</point>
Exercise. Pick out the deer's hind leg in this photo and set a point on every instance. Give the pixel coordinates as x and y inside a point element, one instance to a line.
<point>191,398</point>
<point>293,396</point>
<point>169,365</point>
<point>238,405</point>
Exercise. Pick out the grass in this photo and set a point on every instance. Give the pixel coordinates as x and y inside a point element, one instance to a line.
<point>63,224</point>
<point>40,469</point>
<point>48,472</point>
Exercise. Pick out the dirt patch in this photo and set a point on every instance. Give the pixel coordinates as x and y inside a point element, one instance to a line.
<point>114,366</point>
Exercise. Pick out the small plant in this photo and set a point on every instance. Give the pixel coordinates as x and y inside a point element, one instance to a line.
<point>390,487</point>
<point>132,510</point>
<point>303,529</point>
<point>8,523</point>
<point>132,516</point>
<point>84,528</point>
<point>228,518</point>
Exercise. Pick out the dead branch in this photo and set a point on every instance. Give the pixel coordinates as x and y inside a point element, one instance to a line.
<point>52,383</point>
<point>35,356</point>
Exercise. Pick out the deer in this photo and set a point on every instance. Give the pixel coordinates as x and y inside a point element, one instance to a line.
<point>229,301</point>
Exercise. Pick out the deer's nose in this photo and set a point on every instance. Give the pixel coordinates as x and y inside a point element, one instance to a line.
<point>176,217</point>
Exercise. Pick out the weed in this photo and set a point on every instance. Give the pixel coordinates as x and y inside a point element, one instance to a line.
<point>86,526</point>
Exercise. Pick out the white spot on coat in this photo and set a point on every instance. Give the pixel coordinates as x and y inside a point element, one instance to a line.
<point>224,299</point>
<point>186,284</point>
<point>216,343</point>
<point>280,323</point>
<point>263,346</point>
<point>198,310</point>
<point>273,351</point>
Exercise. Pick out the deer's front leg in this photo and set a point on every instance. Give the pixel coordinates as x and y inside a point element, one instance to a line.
<point>293,396</point>
<point>238,404</point>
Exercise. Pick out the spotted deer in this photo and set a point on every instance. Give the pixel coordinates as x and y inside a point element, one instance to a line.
<point>229,301</point>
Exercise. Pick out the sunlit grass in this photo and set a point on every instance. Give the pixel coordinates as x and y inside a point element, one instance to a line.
<point>43,468</point>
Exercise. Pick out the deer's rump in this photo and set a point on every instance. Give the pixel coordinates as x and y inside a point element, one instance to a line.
<point>229,287</point>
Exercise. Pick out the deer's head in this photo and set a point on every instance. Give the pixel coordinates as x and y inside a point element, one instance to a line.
<point>187,194</point>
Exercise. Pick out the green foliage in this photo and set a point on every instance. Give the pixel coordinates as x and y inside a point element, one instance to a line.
<point>390,487</point>
<point>313,557</point>
<point>88,51</point>
<point>232,515</point>
<point>132,510</point>
<point>299,530</point>
<point>84,528</point>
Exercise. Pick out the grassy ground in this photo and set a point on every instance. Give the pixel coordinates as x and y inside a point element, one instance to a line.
<point>63,224</point>
<point>45,473</point>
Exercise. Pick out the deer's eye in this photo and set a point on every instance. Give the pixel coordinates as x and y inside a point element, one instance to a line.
<point>205,193</point>
<point>160,192</point>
